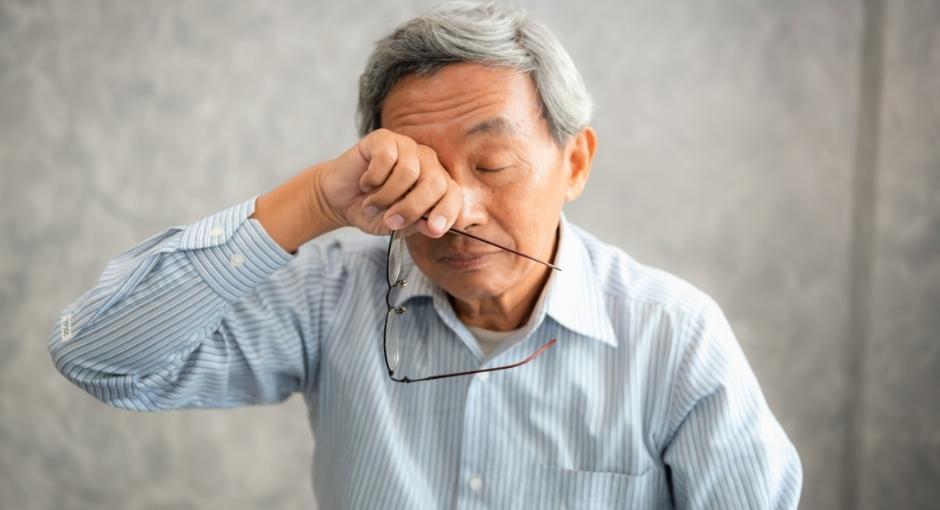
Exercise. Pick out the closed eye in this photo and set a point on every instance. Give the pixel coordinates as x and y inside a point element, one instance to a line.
<point>483,169</point>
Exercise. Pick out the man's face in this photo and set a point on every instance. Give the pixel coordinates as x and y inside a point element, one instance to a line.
<point>487,129</point>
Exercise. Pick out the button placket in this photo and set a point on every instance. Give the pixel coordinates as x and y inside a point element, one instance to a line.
<point>471,464</point>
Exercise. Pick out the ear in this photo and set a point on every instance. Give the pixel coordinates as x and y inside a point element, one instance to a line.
<point>579,154</point>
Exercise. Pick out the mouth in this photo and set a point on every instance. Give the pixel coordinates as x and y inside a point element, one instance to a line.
<point>467,261</point>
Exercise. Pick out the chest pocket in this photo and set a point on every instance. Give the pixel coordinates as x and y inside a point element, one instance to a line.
<point>558,488</point>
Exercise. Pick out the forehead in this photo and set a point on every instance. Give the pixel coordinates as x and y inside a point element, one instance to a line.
<point>463,101</point>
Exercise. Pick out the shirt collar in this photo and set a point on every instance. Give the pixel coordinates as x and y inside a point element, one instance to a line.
<point>575,297</point>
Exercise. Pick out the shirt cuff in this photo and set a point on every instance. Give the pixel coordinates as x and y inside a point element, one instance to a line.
<point>233,253</point>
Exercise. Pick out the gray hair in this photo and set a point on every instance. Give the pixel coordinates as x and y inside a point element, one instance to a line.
<point>489,34</point>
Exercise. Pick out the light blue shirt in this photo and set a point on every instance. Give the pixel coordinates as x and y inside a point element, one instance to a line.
<point>645,401</point>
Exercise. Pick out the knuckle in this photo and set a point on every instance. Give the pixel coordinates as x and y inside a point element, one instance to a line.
<point>382,133</point>
<point>438,185</point>
<point>384,156</point>
<point>426,152</point>
<point>409,170</point>
<point>407,143</point>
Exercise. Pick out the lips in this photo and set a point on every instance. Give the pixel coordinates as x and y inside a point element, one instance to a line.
<point>464,261</point>
<point>460,253</point>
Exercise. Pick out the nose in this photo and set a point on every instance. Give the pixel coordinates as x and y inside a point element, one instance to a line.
<point>473,213</point>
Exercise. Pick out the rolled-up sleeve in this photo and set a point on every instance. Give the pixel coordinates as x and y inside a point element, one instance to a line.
<point>204,315</point>
<point>727,451</point>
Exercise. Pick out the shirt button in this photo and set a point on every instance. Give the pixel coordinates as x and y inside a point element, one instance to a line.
<point>483,376</point>
<point>236,260</point>
<point>216,232</point>
<point>476,484</point>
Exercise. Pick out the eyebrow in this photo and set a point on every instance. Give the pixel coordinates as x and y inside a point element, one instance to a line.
<point>496,125</point>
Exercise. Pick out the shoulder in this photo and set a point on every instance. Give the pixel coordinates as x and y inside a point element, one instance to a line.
<point>676,326</point>
<point>628,282</point>
<point>660,316</point>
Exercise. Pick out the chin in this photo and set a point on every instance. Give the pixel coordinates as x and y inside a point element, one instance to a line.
<point>471,285</point>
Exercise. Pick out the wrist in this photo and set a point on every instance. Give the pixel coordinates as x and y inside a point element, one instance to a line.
<point>319,207</point>
<point>296,211</point>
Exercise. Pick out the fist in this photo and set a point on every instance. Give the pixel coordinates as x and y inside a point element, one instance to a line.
<point>386,182</point>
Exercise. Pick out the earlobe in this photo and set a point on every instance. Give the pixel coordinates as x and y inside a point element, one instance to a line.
<point>581,154</point>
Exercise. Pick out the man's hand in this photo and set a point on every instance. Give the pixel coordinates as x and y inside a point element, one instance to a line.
<point>385,182</point>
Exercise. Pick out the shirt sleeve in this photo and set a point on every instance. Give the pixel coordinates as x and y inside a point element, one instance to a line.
<point>728,450</point>
<point>207,315</point>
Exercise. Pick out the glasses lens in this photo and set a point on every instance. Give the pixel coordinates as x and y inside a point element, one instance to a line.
<point>392,344</point>
<point>395,252</point>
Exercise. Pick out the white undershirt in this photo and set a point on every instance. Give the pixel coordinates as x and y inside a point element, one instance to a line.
<point>490,339</point>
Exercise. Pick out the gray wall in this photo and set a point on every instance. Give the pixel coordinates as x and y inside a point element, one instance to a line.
<point>783,156</point>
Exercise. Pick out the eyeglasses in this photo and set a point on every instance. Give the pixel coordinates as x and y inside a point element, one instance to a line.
<point>391,342</point>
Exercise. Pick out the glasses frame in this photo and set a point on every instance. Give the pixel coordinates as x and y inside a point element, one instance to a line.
<point>398,236</point>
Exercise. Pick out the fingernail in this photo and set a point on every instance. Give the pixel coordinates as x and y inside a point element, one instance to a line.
<point>371,211</point>
<point>395,222</point>
<point>438,223</point>
<point>366,188</point>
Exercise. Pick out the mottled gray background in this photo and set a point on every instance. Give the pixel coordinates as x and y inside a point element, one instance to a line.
<point>783,156</point>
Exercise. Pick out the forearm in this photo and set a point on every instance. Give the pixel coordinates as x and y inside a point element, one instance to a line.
<point>129,339</point>
<point>296,211</point>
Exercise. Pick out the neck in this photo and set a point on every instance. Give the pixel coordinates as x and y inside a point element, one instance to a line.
<point>512,309</point>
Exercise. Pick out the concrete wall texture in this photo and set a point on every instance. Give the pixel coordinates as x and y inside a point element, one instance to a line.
<point>783,156</point>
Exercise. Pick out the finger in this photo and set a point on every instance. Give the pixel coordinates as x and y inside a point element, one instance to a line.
<point>381,149</point>
<point>443,215</point>
<point>426,194</point>
<point>404,175</point>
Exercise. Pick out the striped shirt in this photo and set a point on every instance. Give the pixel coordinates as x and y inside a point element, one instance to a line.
<point>645,401</point>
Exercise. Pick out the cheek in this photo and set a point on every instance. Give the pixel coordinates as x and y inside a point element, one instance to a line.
<point>529,209</point>
<point>529,198</point>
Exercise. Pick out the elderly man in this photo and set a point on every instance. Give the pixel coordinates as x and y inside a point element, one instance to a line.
<point>488,354</point>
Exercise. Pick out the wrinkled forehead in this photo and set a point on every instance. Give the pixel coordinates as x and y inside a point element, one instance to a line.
<point>463,101</point>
